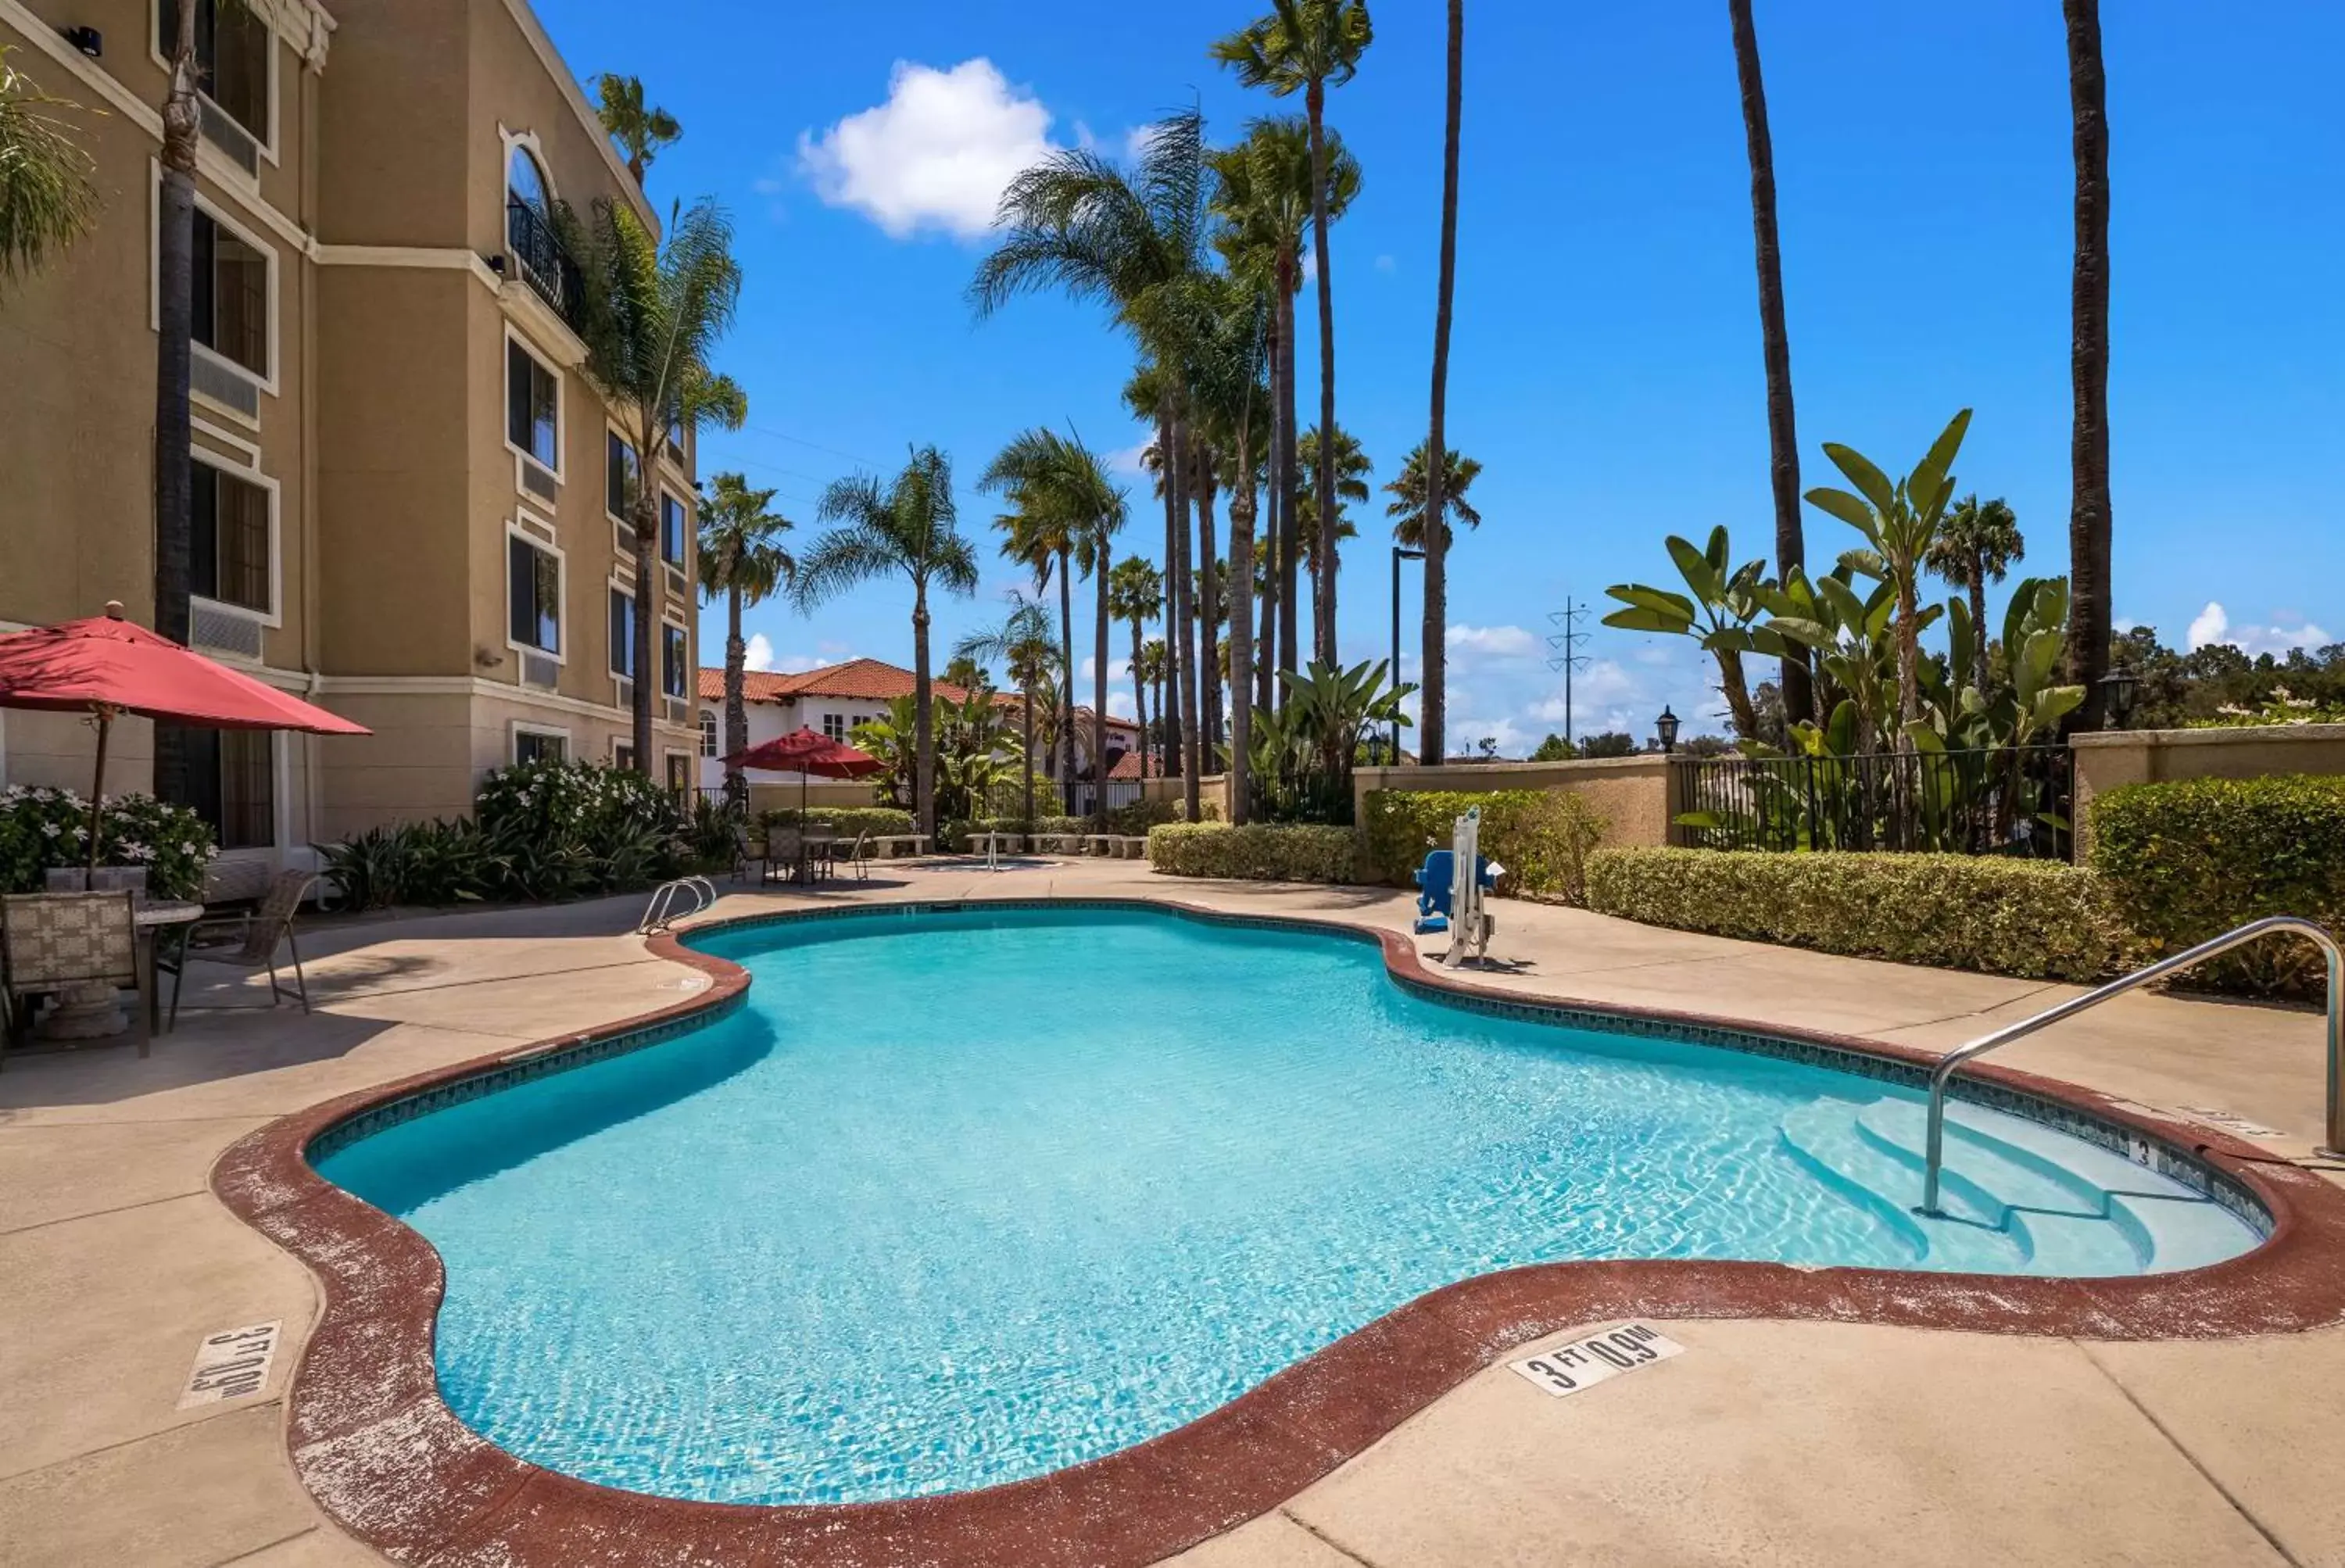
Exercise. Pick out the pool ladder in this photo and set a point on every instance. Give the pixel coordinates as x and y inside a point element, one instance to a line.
<point>2271,925</point>
<point>668,905</point>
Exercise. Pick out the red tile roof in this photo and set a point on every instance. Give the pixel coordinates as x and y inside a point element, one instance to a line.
<point>1130,766</point>
<point>869,679</point>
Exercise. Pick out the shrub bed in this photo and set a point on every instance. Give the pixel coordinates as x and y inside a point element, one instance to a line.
<point>1542,837</point>
<point>1256,852</point>
<point>42,827</point>
<point>2190,860</point>
<point>848,819</point>
<point>2039,920</point>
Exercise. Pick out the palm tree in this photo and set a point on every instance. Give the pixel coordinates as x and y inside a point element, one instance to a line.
<point>741,557</point>
<point>1262,195</point>
<point>46,197</point>
<point>1782,439</point>
<point>1408,506</point>
<point>655,313</point>
<point>1439,481</point>
<point>2088,364</point>
<point>907,525</point>
<point>1078,223</point>
<point>1351,467</point>
<point>1135,595</point>
<point>1095,558</point>
<point>965,673</point>
<point>1978,543</point>
<point>1305,44</point>
<point>641,133</point>
<point>1154,669</point>
<point>1022,644</point>
<point>174,320</point>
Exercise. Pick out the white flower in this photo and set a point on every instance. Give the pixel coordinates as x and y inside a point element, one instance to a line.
<point>51,828</point>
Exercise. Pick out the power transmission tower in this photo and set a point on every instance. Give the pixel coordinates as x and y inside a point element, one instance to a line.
<point>1563,646</point>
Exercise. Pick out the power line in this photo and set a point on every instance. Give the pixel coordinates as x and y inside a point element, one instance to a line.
<point>1563,651</point>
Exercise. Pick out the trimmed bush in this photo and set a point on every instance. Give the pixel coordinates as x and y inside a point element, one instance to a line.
<point>1542,837</point>
<point>1257,853</point>
<point>2190,860</point>
<point>2039,920</point>
<point>848,819</point>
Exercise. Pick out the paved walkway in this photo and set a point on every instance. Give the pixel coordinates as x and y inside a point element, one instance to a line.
<point>1766,1442</point>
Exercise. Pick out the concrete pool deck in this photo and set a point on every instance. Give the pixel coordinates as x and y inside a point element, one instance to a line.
<point>1767,1442</point>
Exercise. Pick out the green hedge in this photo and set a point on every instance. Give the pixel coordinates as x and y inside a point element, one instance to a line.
<point>1542,837</point>
<point>2040,920</point>
<point>1259,853</point>
<point>844,818</point>
<point>2190,860</point>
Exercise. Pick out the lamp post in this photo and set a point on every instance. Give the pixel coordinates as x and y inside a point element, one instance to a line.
<point>1665,727</point>
<point>2117,697</point>
<point>1400,553</point>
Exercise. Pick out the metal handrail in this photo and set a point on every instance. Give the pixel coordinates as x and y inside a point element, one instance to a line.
<point>662,912</point>
<point>2251,932</point>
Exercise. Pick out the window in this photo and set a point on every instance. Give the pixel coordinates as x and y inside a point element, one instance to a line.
<point>230,544</point>
<point>834,727</point>
<point>707,733</point>
<point>232,295</point>
<point>233,49</point>
<point>532,406</point>
<point>622,634</point>
<point>533,581</point>
<point>671,529</point>
<point>623,756</point>
<point>232,784</point>
<point>679,772</point>
<point>525,182</point>
<point>541,746</point>
<point>621,475</point>
<point>674,659</point>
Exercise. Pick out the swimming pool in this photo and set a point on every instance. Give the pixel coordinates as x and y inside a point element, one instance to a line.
<point>962,1198</point>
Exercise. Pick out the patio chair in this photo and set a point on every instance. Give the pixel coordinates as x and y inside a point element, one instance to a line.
<point>250,941</point>
<point>752,847</point>
<point>784,846</point>
<point>51,942</point>
<point>860,856</point>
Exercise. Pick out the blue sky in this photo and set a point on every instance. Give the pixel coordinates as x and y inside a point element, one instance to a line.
<point>1606,363</point>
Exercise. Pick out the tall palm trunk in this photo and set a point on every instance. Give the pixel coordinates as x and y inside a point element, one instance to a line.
<point>1209,600</point>
<point>1185,618</point>
<point>737,706</point>
<point>647,610</point>
<point>2088,366</point>
<point>1140,685</point>
<point>1782,438</point>
<point>1289,483</point>
<point>1171,677</point>
<point>1266,660</point>
<point>175,244</point>
<point>1324,608</point>
<point>1066,687</point>
<point>1433,702</point>
<point>1241,590</point>
<point>1026,711</point>
<point>924,734</point>
<point>1099,687</point>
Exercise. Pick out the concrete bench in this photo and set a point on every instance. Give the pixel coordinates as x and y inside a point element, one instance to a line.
<point>888,846</point>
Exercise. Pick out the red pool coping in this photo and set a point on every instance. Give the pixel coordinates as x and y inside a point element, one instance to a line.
<point>384,1456</point>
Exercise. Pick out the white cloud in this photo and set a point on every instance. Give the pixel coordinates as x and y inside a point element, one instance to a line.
<point>761,652</point>
<point>1119,702</point>
<point>1090,672</point>
<point>2208,626</point>
<point>1129,460</point>
<point>1311,271</point>
<point>799,664</point>
<point>1469,645</point>
<point>2213,625</point>
<point>935,155</point>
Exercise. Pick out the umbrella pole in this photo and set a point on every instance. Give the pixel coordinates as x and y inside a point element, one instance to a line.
<point>97,783</point>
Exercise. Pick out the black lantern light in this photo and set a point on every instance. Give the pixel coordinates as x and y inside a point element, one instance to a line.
<point>1666,727</point>
<point>2117,689</point>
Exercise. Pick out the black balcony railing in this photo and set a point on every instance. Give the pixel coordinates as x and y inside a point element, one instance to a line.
<point>539,256</point>
<point>2014,800</point>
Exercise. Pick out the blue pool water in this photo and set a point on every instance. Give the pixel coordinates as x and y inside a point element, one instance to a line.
<point>964,1197</point>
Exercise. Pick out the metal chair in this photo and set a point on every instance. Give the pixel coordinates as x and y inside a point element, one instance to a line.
<point>859,857</point>
<point>257,937</point>
<point>51,942</point>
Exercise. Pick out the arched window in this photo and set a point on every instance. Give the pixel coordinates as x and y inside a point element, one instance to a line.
<point>525,182</point>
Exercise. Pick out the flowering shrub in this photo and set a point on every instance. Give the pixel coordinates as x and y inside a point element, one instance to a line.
<point>2280,707</point>
<point>41,827</point>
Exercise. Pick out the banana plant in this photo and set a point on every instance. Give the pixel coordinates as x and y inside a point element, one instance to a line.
<point>1848,633</point>
<point>1721,612</point>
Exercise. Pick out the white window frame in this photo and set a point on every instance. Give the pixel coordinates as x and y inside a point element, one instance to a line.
<point>274,616</point>
<point>276,97</point>
<point>624,524</point>
<point>268,382</point>
<point>512,139</point>
<point>516,729</point>
<point>561,410</point>
<point>679,570</point>
<point>691,762</point>
<point>618,584</point>
<point>709,724</point>
<point>670,617</point>
<point>516,529</point>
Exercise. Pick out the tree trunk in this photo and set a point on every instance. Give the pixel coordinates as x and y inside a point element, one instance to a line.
<point>1433,702</point>
<point>924,734</point>
<point>1099,687</point>
<point>736,707</point>
<point>1170,470</point>
<point>1241,633</point>
<point>1025,710</point>
<point>1209,605</point>
<point>1782,439</point>
<point>1289,482</point>
<point>1066,687</point>
<point>1266,653</point>
<point>647,674</point>
<point>1140,693</point>
<point>1735,686</point>
<point>1184,620</point>
<point>1909,660</point>
<point>1978,618</point>
<point>2089,367</point>
<point>174,476</point>
<point>1324,608</point>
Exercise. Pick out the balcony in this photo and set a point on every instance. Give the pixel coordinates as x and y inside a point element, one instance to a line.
<point>536,256</point>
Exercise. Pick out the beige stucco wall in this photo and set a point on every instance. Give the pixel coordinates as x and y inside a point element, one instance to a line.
<point>2110,759</point>
<point>1631,793</point>
<point>820,793</point>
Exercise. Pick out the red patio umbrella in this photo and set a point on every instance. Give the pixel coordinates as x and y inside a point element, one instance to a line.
<point>104,666</point>
<point>803,752</point>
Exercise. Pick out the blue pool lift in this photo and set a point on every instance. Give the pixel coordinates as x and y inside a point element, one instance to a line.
<point>1449,901</point>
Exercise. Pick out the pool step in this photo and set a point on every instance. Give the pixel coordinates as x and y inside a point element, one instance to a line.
<point>1823,1136</point>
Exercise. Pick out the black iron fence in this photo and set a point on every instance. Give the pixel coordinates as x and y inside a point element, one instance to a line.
<point>1301,795</point>
<point>2014,800</point>
<point>545,264</point>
